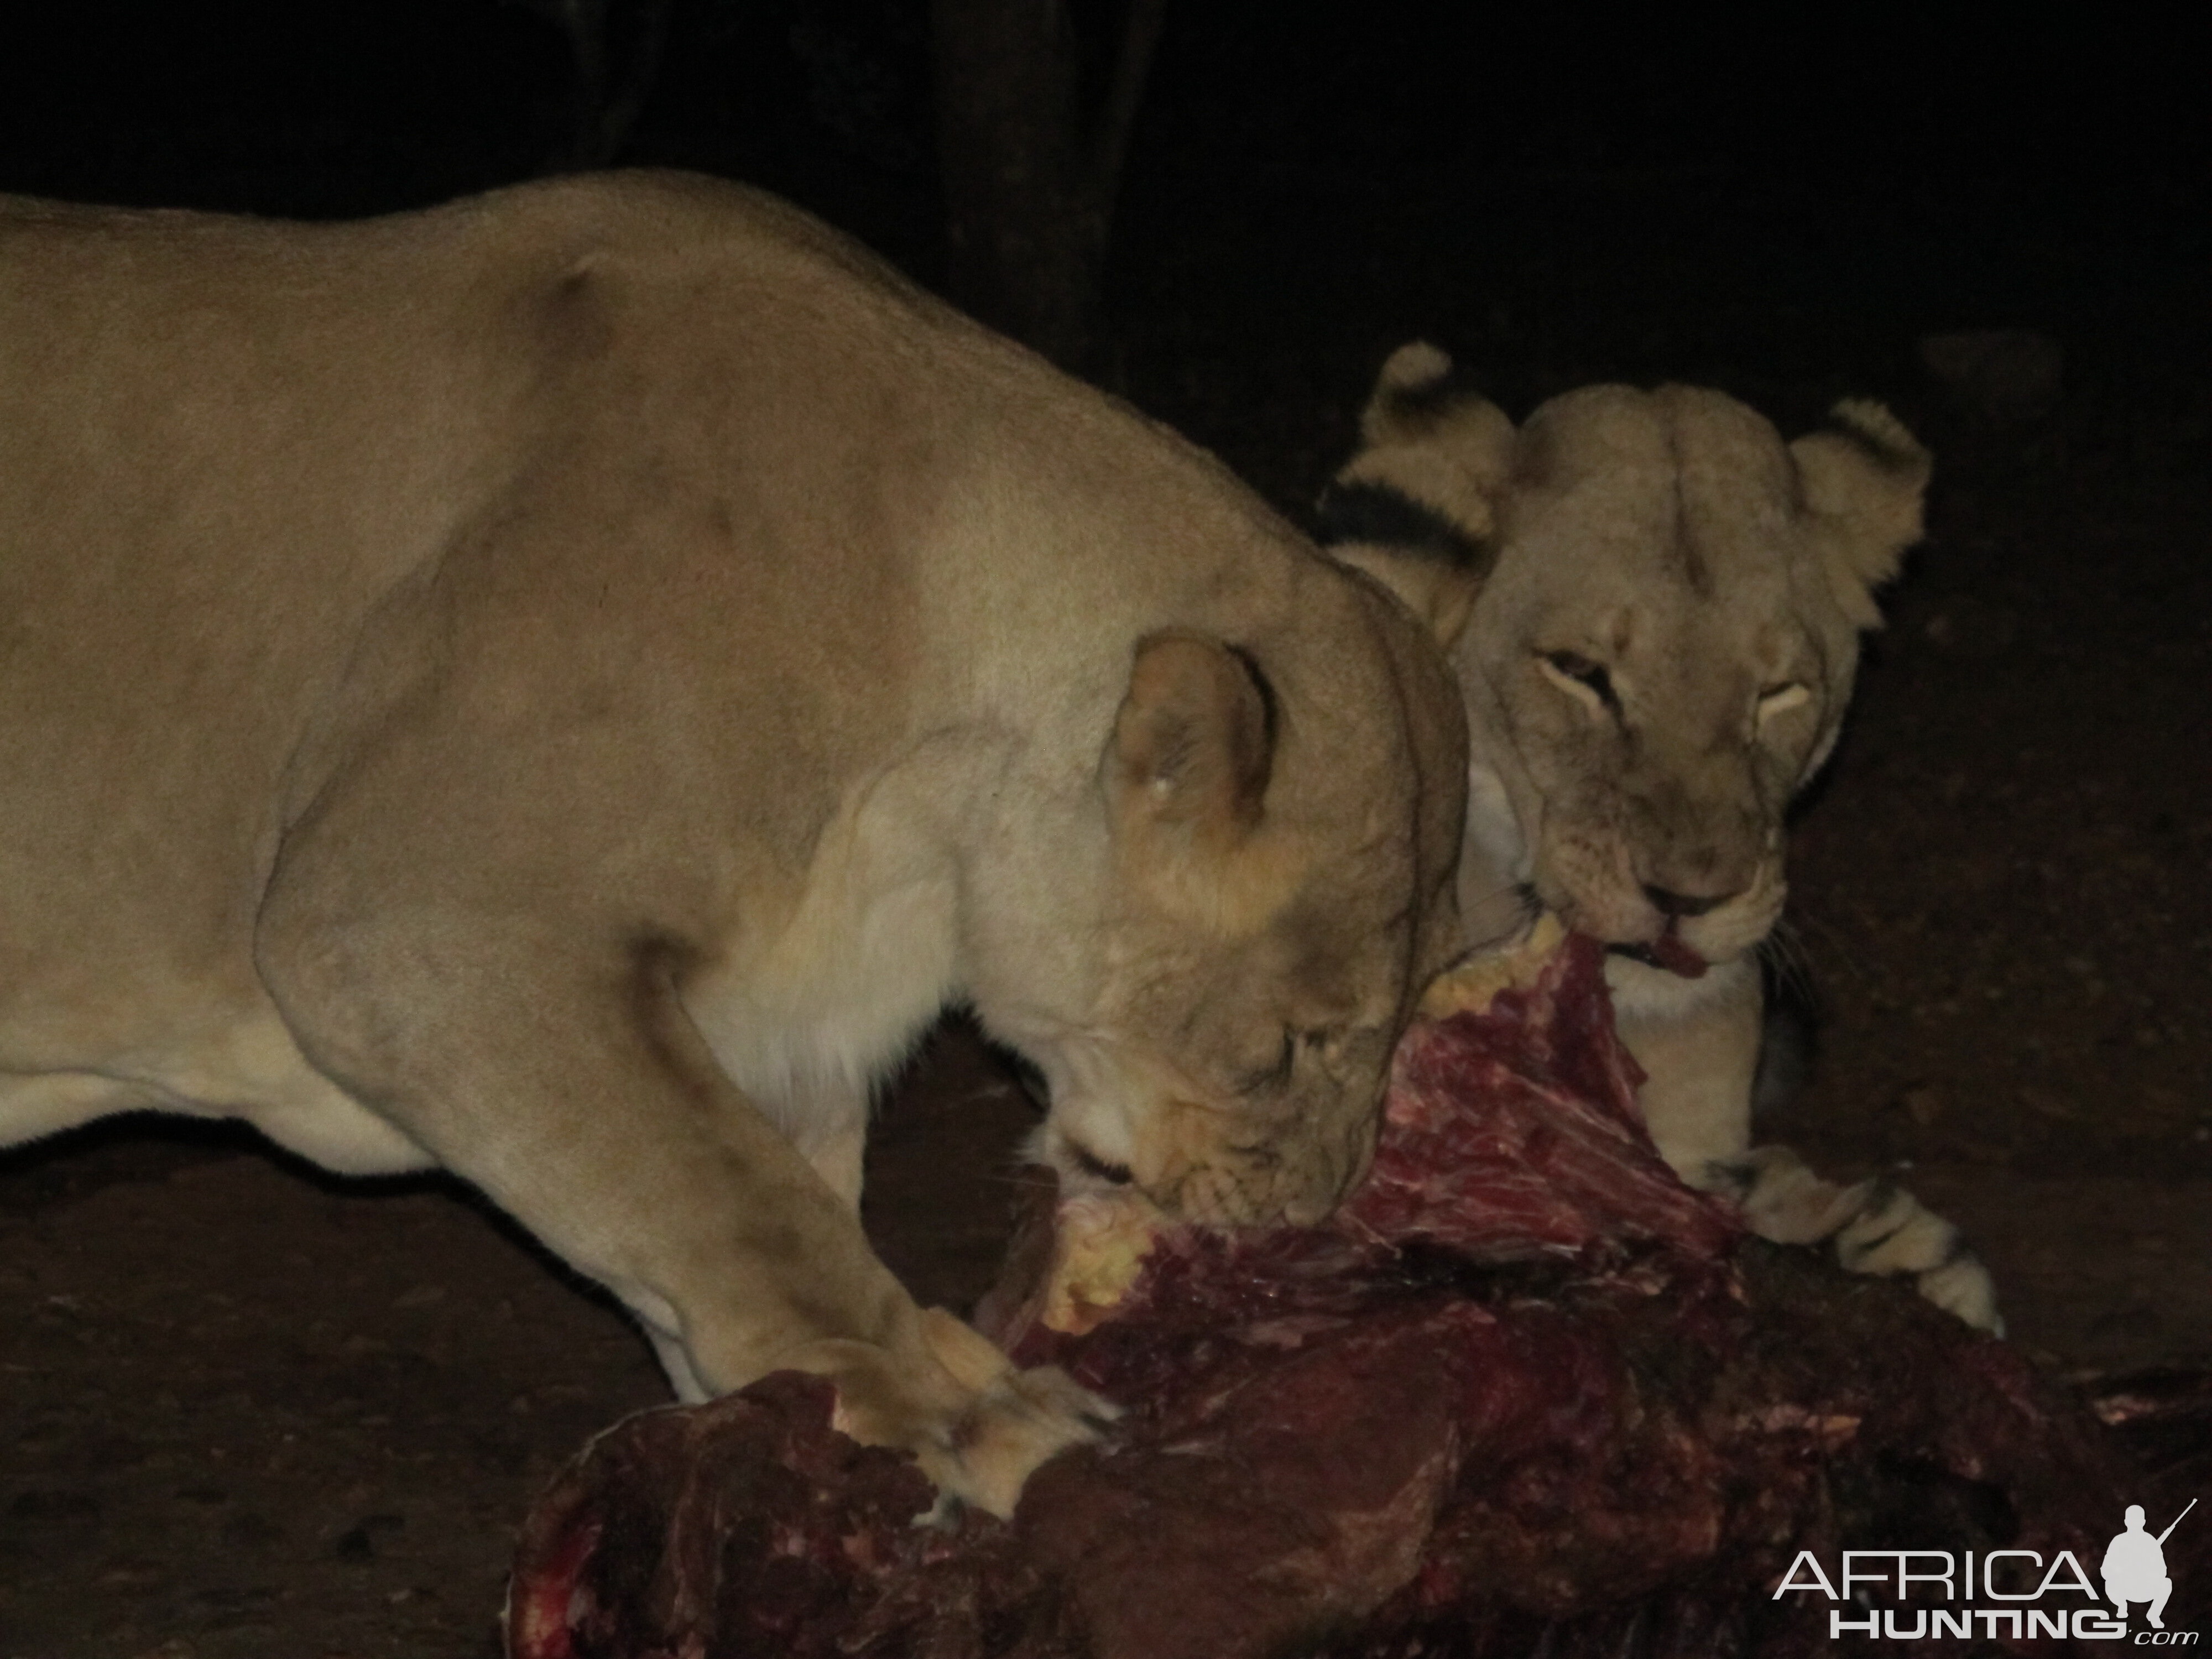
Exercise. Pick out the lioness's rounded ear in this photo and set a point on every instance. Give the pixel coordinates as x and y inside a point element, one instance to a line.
<point>1865,478</point>
<point>1416,508</point>
<point>1414,380</point>
<point>1194,740</point>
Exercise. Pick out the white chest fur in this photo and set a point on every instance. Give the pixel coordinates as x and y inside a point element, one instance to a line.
<point>807,1018</point>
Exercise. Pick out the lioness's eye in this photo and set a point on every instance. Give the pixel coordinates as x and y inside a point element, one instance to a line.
<point>1321,1040</point>
<point>1578,674</point>
<point>1114,1175</point>
<point>1781,699</point>
<point>1276,1074</point>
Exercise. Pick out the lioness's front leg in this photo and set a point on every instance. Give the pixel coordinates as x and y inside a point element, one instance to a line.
<point>555,1067</point>
<point>1699,1046</point>
<point>1697,1043</point>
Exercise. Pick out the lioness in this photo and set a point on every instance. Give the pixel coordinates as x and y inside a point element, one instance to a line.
<point>564,687</point>
<point>1666,603</point>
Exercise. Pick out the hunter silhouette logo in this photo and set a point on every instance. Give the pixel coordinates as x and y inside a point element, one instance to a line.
<point>2010,1595</point>
<point>2135,1566</point>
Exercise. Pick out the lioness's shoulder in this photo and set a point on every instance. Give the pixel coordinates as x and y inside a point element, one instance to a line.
<point>664,210</point>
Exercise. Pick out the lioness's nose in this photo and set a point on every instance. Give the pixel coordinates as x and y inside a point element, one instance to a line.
<point>1332,1172</point>
<point>1682,906</point>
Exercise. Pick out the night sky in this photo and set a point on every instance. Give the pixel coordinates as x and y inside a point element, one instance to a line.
<point>1875,148</point>
<point>1781,207</point>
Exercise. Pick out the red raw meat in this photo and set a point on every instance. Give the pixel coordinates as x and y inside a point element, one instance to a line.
<point>1524,1389</point>
<point>1515,1130</point>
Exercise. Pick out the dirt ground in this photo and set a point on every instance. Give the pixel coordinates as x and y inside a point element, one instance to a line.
<point>2003,895</point>
<point>254,1413</point>
<point>250,1414</point>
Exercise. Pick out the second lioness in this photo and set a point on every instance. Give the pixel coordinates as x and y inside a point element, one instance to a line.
<point>1658,605</point>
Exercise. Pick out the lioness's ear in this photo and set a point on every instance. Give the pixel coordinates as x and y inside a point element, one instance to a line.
<point>1194,741</point>
<point>1866,479</point>
<point>1416,508</point>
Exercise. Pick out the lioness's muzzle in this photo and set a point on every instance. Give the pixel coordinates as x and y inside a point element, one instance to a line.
<point>1226,1171</point>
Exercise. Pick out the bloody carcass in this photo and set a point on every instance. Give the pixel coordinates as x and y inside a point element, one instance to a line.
<point>1525,1392</point>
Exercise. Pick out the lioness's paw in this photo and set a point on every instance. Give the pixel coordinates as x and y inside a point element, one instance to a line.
<point>1783,1200</point>
<point>977,1426</point>
<point>985,1456</point>
<point>1873,1227</point>
<point>1963,1286</point>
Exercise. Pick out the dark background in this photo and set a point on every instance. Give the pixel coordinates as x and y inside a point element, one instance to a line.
<point>244,1411</point>
<point>1642,194</point>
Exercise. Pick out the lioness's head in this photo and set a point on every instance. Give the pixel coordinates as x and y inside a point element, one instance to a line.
<point>1664,604</point>
<point>1269,888</point>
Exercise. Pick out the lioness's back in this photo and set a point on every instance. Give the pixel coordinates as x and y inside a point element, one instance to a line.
<point>232,451</point>
<point>225,442</point>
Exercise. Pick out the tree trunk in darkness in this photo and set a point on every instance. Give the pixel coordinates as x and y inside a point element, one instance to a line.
<point>1029,176</point>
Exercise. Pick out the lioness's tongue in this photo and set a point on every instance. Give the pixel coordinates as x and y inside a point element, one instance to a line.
<point>1676,957</point>
<point>1668,952</point>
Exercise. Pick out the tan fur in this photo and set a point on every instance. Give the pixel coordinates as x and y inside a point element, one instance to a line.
<point>565,686</point>
<point>1664,604</point>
